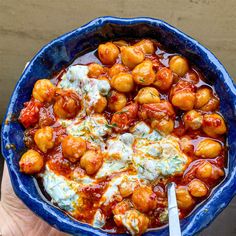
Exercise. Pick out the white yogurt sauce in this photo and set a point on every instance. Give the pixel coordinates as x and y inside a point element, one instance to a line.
<point>151,154</point>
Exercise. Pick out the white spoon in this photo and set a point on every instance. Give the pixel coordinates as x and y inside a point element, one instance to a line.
<point>173,213</point>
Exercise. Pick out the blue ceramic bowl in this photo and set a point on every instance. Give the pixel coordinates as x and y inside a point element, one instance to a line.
<point>60,53</point>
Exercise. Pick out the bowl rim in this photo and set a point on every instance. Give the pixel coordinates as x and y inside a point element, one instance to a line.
<point>64,224</point>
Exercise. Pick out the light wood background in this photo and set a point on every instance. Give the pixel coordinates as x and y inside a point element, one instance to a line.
<point>27,25</point>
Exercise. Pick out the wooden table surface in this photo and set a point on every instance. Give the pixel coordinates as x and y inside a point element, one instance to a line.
<point>27,25</point>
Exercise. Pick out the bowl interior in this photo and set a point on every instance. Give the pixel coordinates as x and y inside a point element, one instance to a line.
<point>59,54</point>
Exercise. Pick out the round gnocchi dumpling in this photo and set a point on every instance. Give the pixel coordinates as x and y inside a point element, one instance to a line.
<point>184,199</point>
<point>43,90</point>
<point>143,73</point>
<point>203,95</point>
<point>123,82</point>
<point>183,96</point>
<point>204,170</point>
<point>212,105</point>
<point>116,101</point>
<point>165,125</point>
<point>44,138</point>
<point>131,56</point>
<point>179,65</point>
<point>164,79</point>
<point>126,187</point>
<point>108,53</point>
<point>213,125</point>
<point>116,69</point>
<point>95,70</point>
<point>147,95</point>
<point>207,171</point>
<point>156,111</point>
<point>91,161</point>
<point>208,148</point>
<point>122,119</point>
<point>31,162</point>
<point>197,188</point>
<point>73,148</point>
<point>193,119</point>
<point>184,100</point>
<point>67,104</point>
<point>144,199</point>
<point>146,46</point>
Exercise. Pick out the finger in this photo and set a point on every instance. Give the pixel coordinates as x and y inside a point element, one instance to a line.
<point>9,199</point>
<point>16,211</point>
<point>6,182</point>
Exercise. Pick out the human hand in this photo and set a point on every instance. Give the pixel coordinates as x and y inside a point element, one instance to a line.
<point>16,218</point>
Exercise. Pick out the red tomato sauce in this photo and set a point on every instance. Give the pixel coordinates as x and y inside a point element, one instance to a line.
<point>38,114</point>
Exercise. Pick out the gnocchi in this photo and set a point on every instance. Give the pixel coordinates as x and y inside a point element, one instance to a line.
<point>31,162</point>
<point>44,138</point>
<point>67,104</point>
<point>43,90</point>
<point>164,79</point>
<point>179,65</point>
<point>213,125</point>
<point>131,56</point>
<point>144,199</point>
<point>73,147</point>
<point>108,53</point>
<point>123,82</point>
<point>208,148</point>
<point>116,101</point>
<point>91,161</point>
<point>147,95</point>
<point>143,73</point>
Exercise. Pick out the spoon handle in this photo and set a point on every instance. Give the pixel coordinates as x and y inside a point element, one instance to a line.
<point>173,213</point>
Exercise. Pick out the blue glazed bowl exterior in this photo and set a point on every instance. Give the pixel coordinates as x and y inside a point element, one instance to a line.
<point>60,53</point>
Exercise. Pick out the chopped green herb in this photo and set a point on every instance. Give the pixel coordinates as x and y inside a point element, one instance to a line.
<point>144,168</point>
<point>142,80</point>
<point>140,166</point>
<point>110,126</point>
<point>121,167</point>
<point>142,135</point>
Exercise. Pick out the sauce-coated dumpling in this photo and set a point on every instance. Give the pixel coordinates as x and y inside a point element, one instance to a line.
<point>31,162</point>
<point>106,136</point>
